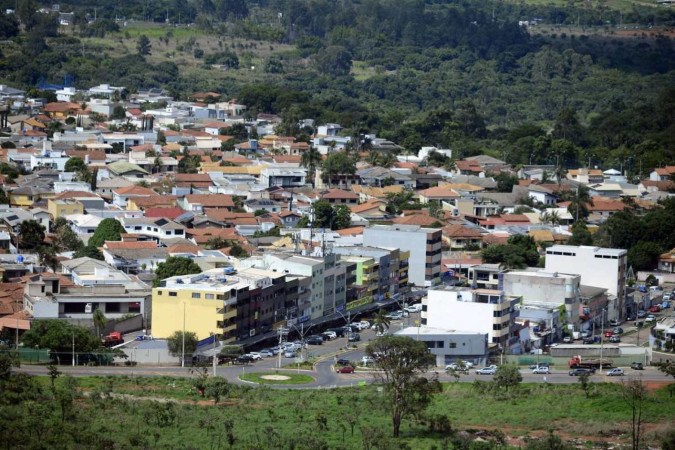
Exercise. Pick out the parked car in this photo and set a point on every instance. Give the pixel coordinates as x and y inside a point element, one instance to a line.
<point>641,314</point>
<point>354,337</point>
<point>568,339</point>
<point>345,369</point>
<point>394,316</point>
<point>356,325</point>
<point>577,372</point>
<point>243,359</point>
<point>365,360</point>
<point>457,367</point>
<point>486,371</point>
<point>630,318</point>
<point>315,340</point>
<point>650,318</point>
<point>617,330</point>
<point>339,332</point>
<point>542,370</point>
<point>637,366</point>
<point>365,324</point>
<point>255,355</point>
<point>414,308</point>
<point>615,339</point>
<point>586,333</point>
<point>615,373</point>
<point>382,333</point>
<point>655,309</point>
<point>665,304</point>
<point>609,333</point>
<point>329,335</point>
<point>343,362</point>
<point>468,364</point>
<point>588,340</point>
<point>614,323</point>
<point>289,354</point>
<point>266,353</point>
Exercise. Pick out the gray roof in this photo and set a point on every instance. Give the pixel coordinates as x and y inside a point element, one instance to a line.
<point>85,264</point>
<point>381,172</point>
<point>131,254</point>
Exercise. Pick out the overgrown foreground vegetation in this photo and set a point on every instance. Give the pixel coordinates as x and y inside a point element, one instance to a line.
<point>167,413</point>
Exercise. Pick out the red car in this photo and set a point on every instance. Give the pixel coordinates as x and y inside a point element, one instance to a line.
<point>345,369</point>
<point>655,309</point>
<point>609,333</point>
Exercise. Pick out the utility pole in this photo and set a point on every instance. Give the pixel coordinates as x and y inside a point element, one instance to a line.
<point>73,347</point>
<point>215,357</point>
<point>182,358</point>
<point>602,336</point>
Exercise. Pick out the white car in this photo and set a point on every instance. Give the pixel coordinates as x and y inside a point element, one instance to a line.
<point>414,308</point>
<point>615,373</point>
<point>365,324</point>
<point>650,318</point>
<point>367,360</point>
<point>255,355</point>
<point>356,325</point>
<point>486,371</point>
<point>330,334</point>
<point>289,354</point>
<point>541,370</point>
<point>468,364</point>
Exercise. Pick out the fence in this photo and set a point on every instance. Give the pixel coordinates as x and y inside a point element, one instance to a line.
<point>44,356</point>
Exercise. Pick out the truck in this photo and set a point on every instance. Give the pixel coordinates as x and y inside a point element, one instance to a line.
<point>578,363</point>
<point>113,339</point>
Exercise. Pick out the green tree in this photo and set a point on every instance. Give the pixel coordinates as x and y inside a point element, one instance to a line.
<point>89,251</point>
<point>4,199</point>
<point>505,182</point>
<point>143,45</point>
<point>47,254</point>
<point>100,321</point>
<point>108,230</point>
<point>644,255</point>
<point>175,343</point>
<point>382,322</point>
<point>334,60</point>
<point>341,217</point>
<point>217,388</point>
<point>585,383</point>
<point>75,164</point>
<point>31,234</point>
<point>402,363</point>
<point>118,113</point>
<point>174,266</point>
<point>507,377</point>
<point>338,164</point>
<point>310,160</point>
<point>58,335</point>
<point>634,394</point>
<point>580,234</point>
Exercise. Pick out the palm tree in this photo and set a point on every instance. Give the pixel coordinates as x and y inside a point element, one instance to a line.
<point>550,217</point>
<point>387,160</point>
<point>579,202</point>
<point>382,322</point>
<point>310,160</point>
<point>374,158</point>
<point>99,321</point>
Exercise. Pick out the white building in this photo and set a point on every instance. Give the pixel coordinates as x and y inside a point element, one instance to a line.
<point>66,94</point>
<point>449,346</point>
<point>599,267</point>
<point>105,90</point>
<point>48,158</point>
<point>424,245</point>
<point>476,310</point>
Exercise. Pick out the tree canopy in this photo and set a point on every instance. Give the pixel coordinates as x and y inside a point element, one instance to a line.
<point>107,230</point>
<point>401,363</point>
<point>173,266</point>
<point>57,335</point>
<point>31,234</point>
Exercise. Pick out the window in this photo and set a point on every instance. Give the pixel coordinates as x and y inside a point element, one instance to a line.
<point>453,345</point>
<point>112,307</point>
<point>196,295</point>
<point>209,296</point>
<point>440,344</point>
<point>173,294</point>
<point>159,292</point>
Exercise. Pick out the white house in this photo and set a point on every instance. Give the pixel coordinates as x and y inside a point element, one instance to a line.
<point>66,94</point>
<point>83,223</point>
<point>48,158</point>
<point>157,228</point>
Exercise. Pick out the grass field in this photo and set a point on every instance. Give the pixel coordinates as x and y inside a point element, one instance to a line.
<point>280,378</point>
<point>260,417</point>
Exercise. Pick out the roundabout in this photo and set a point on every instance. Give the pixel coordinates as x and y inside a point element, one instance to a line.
<point>277,378</point>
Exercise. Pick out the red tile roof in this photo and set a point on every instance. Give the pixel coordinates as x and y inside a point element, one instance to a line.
<point>340,194</point>
<point>129,245</point>
<point>211,200</point>
<point>135,190</point>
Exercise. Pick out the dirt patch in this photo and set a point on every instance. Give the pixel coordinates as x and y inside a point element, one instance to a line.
<point>655,385</point>
<point>275,377</point>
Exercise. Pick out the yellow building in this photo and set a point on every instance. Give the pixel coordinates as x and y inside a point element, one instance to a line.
<point>60,208</point>
<point>204,304</point>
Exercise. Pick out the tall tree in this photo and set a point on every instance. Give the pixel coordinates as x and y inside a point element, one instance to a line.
<point>310,160</point>
<point>108,230</point>
<point>580,234</point>
<point>100,321</point>
<point>175,343</point>
<point>382,322</point>
<point>31,234</point>
<point>143,45</point>
<point>339,165</point>
<point>402,363</point>
<point>634,394</point>
<point>58,335</point>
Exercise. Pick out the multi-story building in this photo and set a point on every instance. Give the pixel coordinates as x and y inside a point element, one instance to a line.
<point>486,276</point>
<point>449,346</point>
<point>544,294</point>
<point>424,245</point>
<point>475,310</point>
<point>85,286</point>
<point>599,267</point>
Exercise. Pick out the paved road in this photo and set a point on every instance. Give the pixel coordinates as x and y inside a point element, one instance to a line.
<point>324,371</point>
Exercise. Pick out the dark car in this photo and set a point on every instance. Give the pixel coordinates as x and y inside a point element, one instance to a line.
<point>343,362</point>
<point>637,366</point>
<point>577,372</point>
<point>315,340</point>
<point>345,369</point>
<point>588,340</point>
<point>244,359</point>
<point>354,337</point>
<point>641,314</point>
<point>617,330</point>
<point>615,339</point>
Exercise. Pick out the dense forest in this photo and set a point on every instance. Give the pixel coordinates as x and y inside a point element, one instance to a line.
<point>574,89</point>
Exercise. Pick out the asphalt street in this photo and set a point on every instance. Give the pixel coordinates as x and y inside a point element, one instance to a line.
<point>324,370</point>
